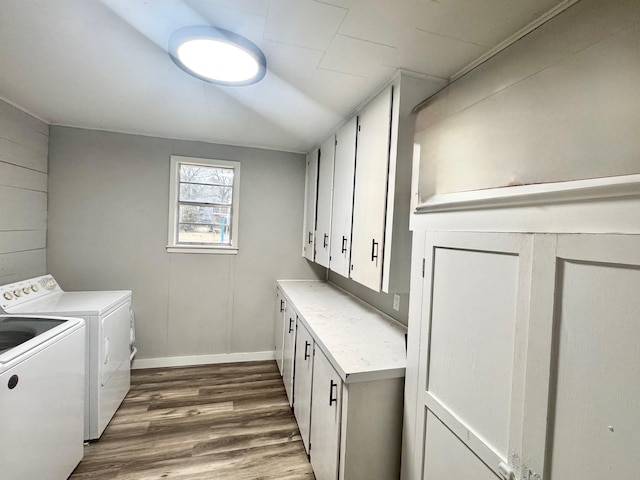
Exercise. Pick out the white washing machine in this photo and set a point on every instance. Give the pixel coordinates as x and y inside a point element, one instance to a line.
<point>41,397</point>
<point>108,319</point>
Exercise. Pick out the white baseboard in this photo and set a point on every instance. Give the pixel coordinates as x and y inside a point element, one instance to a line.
<point>201,359</point>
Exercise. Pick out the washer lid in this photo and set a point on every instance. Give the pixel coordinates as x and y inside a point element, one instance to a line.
<point>31,334</point>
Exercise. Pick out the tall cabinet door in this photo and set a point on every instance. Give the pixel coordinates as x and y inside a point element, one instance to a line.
<point>325,194</point>
<point>302,382</point>
<point>475,315</point>
<point>278,327</point>
<point>326,398</point>
<point>310,199</point>
<point>288,350</point>
<point>342,206</point>
<point>370,195</point>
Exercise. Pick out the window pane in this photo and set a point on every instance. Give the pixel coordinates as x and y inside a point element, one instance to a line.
<point>190,233</point>
<point>204,224</point>
<point>205,193</point>
<point>196,214</point>
<point>204,174</point>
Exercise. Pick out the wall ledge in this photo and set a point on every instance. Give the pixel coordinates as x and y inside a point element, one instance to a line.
<point>535,194</point>
<point>608,205</point>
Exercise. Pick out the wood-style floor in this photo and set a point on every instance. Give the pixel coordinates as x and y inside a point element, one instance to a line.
<point>227,421</point>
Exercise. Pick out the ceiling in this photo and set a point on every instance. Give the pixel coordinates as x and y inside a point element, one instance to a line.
<point>103,64</point>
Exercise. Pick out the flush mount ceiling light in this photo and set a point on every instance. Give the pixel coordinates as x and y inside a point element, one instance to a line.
<point>217,56</point>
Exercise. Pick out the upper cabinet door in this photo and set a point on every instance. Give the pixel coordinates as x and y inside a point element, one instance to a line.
<point>311,195</point>
<point>325,194</point>
<point>370,195</point>
<point>342,207</point>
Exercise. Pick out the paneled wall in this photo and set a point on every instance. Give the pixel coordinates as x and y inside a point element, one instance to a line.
<point>561,104</point>
<point>108,208</point>
<point>24,144</point>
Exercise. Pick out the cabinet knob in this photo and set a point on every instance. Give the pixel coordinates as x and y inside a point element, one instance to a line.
<point>374,250</point>
<point>306,350</point>
<point>344,244</point>
<point>291,325</point>
<point>282,305</point>
<point>333,399</point>
<point>310,237</point>
<point>326,241</point>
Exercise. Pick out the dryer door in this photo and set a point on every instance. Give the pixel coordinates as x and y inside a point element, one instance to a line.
<point>115,329</point>
<point>115,367</point>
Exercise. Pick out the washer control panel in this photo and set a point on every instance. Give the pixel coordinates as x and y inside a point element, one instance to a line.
<point>14,294</point>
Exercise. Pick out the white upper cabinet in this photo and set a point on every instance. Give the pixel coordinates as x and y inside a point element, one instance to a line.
<point>325,194</point>
<point>370,195</point>
<point>310,206</point>
<point>342,207</point>
<point>367,215</point>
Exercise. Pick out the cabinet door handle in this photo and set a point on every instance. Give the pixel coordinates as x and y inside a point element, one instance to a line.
<point>282,305</point>
<point>310,237</point>
<point>333,399</point>
<point>326,240</point>
<point>291,325</point>
<point>344,244</point>
<point>306,350</point>
<point>374,250</point>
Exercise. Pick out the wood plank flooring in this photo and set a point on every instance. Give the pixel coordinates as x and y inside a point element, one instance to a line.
<point>224,422</point>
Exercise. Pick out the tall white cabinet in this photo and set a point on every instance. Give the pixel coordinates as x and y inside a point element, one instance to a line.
<point>342,202</point>
<point>523,357</point>
<point>325,195</point>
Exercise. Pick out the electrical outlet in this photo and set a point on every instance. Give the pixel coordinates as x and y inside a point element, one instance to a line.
<point>396,302</point>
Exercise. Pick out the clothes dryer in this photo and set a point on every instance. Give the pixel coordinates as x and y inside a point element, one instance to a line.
<point>107,316</point>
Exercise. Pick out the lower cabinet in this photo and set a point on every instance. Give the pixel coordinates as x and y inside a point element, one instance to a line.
<point>302,382</point>
<point>288,350</point>
<point>343,371</point>
<point>326,408</point>
<point>279,328</point>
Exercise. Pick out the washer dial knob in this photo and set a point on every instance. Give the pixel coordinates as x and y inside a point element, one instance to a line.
<point>17,293</point>
<point>8,295</point>
<point>35,287</point>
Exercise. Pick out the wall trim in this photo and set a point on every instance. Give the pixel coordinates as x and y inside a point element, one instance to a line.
<point>541,20</point>
<point>535,194</point>
<point>603,205</point>
<point>190,360</point>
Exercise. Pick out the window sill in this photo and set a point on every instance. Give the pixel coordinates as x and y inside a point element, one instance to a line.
<point>208,250</point>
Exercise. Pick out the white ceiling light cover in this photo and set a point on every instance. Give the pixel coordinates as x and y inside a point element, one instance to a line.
<point>217,56</point>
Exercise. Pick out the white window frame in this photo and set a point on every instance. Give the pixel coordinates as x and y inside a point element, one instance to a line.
<point>173,246</point>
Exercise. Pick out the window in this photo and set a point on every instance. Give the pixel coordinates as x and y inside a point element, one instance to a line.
<point>203,205</point>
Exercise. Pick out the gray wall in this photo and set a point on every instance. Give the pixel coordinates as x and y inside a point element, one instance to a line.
<point>380,300</point>
<point>561,104</point>
<point>24,144</point>
<point>108,209</point>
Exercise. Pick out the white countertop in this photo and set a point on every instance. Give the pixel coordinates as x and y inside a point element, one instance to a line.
<point>361,342</point>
